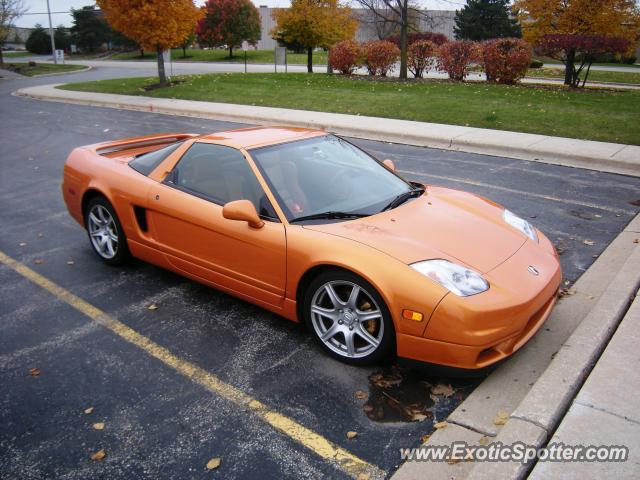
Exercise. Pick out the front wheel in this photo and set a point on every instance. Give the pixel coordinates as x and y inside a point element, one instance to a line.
<point>105,232</point>
<point>349,318</point>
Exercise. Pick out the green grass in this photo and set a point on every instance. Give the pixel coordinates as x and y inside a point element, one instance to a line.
<point>552,61</point>
<point>611,116</point>
<point>594,75</point>
<point>41,68</point>
<point>16,54</point>
<point>253,56</point>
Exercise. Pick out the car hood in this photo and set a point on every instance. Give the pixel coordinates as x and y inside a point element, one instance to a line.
<point>442,223</point>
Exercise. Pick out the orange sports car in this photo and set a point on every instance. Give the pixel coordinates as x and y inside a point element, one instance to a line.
<point>307,225</point>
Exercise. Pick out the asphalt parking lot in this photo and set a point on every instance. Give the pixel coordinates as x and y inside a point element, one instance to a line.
<point>159,420</point>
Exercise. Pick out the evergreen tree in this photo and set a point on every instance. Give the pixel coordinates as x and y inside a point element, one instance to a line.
<point>485,19</point>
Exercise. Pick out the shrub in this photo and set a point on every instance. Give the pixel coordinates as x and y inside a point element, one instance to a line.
<point>420,57</point>
<point>380,57</point>
<point>456,58</point>
<point>629,60</point>
<point>345,56</point>
<point>506,60</point>
<point>437,38</point>
<point>536,64</point>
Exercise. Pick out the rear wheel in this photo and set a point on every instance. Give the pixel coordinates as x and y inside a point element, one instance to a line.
<point>105,232</point>
<point>349,318</point>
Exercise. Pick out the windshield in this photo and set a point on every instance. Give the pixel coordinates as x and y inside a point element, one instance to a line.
<point>326,174</point>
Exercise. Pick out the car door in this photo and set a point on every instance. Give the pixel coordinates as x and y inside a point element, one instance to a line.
<point>185,216</point>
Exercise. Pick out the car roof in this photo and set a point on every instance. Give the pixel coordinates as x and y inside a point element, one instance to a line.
<point>260,136</point>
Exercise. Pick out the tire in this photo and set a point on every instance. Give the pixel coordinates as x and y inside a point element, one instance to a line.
<point>106,235</point>
<point>333,317</point>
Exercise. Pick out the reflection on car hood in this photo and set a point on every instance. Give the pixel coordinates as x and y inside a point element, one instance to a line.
<point>442,223</point>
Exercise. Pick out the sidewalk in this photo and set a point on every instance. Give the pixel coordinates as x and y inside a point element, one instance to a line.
<point>606,410</point>
<point>602,156</point>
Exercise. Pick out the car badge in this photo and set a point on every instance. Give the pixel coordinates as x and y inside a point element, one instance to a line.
<point>533,270</point>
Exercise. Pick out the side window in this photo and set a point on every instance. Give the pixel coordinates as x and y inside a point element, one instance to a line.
<point>147,162</point>
<point>220,174</point>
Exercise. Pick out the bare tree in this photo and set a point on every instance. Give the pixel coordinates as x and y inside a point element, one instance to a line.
<point>10,10</point>
<point>389,16</point>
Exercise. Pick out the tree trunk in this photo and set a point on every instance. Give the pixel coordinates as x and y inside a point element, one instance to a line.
<point>403,39</point>
<point>1,57</point>
<point>161,74</point>
<point>230,52</point>
<point>310,60</point>
<point>184,52</point>
<point>141,52</point>
<point>569,66</point>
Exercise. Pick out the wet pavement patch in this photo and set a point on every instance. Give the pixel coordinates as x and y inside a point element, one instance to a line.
<point>399,394</point>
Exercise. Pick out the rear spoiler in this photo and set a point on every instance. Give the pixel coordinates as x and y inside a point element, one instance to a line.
<point>137,145</point>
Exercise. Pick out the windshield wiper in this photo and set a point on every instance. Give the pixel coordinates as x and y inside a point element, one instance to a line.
<point>329,215</point>
<point>403,197</point>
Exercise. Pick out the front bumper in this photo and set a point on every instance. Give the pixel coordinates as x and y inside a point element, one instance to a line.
<point>478,331</point>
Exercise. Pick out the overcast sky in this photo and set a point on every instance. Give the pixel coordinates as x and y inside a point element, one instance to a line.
<point>37,7</point>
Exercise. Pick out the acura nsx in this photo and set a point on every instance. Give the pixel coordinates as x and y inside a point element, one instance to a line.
<point>309,226</point>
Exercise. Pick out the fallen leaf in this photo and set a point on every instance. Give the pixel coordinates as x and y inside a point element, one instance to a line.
<point>442,389</point>
<point>367,408</point>
<point>38,261</point>
<point>98,426</point>
<point>40,235</point>
<point>418,417</point>
<point>351,435</point>
<point>34,372</point>
<point>360,395</point>
<point>453,461</point>
<point>425,438</point>
<point>501,418</point>
<point>99,455</point>
<point>484,441</point>
<point>440,425</point>
<point>589,242</point>
<point>71,262</point>
<point>153,306</point>
<point>363,476</point>
<point>637,240</point>
<point>89,411</point>
<point>564,292</point>
<point>23,244</point>
<point>214,463</point>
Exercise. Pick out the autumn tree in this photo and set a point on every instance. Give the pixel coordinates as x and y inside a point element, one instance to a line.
<point>312,24</point>
<point>484,20</point>
<point>153,24</point>
<point>401,15</point>
<point>580,23</point>
<point>228,22</point>
<point>10,10</point>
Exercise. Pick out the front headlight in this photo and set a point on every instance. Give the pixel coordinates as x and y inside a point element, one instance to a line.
<point>521,224</point>
<point>455,278</point>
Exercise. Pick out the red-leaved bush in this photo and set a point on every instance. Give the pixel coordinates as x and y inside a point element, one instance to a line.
<point>506,60</point>
<point>345,56</point>
<point>437,38</point>
<point>456,58</point>
<point>380,57</point>
<point>421,57</point>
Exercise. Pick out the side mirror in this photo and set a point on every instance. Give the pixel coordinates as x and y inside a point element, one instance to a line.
<point>242,210</point>
<point>389,164</point>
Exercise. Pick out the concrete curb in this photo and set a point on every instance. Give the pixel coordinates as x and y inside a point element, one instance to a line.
<point>540,412</point>
<point>601,156</point>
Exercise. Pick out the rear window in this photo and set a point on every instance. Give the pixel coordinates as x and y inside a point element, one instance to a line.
<point>147,162</point>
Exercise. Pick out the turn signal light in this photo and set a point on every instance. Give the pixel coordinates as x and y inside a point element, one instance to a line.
<point>411,315</point>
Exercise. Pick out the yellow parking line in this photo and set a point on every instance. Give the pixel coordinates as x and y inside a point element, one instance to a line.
<point>345,460</point>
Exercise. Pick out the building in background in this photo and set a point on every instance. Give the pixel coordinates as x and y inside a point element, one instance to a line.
<point>17,38</point>
<point>439,21</point>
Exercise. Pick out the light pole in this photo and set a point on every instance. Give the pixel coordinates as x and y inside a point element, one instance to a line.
<point>53,42</point>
